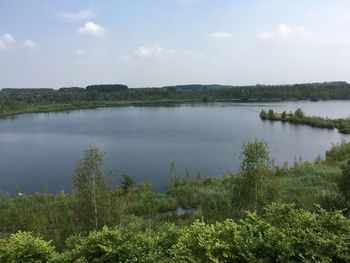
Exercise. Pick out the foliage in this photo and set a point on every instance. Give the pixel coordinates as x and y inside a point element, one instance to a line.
<point>13,101</point>
<point>307,184</point>
<point>283,234</point>
<point>46,214</point>
<point>283,224</point>
<point>115,245</point>
<point>90,185</point>
<point>299,117</point>
<point>26,248</point>
<point>107,88</point>
<point>255,163</point>
<point>338,153</point>
<point>299,113</point>
<point>344,181</point>
<point>127,183</point>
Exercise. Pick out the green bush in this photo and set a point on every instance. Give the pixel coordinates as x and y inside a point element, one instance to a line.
<point>283,234</point>
<point>25,247</point>
<point>345,130</point>
<point>115,245</point>
<point>339,152</point>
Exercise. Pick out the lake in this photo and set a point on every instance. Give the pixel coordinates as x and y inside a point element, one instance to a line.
<point>43,148</point>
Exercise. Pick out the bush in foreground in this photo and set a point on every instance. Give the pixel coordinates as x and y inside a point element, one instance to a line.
<point>25,247</point>
<point>283,233</point>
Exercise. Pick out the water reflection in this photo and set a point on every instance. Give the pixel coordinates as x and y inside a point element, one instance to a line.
<point>43,148</point>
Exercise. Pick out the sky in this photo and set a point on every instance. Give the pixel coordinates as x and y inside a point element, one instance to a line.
<point>152,43</point>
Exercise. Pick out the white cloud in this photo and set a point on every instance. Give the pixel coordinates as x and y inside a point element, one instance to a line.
<point>156,50</point>
<point>165,54</point>
<point>80,52</point>
<point>76,16</point>
<point>266,35</point>
<point>93,30</point>
<point>284,31</point>
<point>30,44</point>
<point>221,35</point>
<point>6,41</point>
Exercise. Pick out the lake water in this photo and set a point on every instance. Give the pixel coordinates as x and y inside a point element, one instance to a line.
<point>43,149</point>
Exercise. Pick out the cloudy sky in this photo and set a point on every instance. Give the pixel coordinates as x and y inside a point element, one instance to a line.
<point>162,42</point>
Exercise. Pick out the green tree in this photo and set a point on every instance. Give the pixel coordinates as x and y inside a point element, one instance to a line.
<point>91,190</point>
<point>127,183</point>
<point>284,115</point>
<point>263,115</point>
<point>187,179</point>
<point>299,113</point>
<point>270,114</point>
<point>255,162</point>
<point>175,179</point>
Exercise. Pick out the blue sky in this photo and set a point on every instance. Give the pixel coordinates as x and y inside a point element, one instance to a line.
<point>164,42</point>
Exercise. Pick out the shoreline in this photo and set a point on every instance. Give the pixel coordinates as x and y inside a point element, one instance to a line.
<point>106,104</point>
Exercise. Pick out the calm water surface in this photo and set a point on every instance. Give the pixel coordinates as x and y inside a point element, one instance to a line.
<point>43,149</point>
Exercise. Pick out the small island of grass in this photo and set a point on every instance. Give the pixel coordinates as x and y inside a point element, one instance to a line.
<point>299,117</point>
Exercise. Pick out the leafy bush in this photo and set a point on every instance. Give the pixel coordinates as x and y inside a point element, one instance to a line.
<point>25,247</point>
<point>299,117</point>
<point>339,152</point>
<point>283,234</point>
<point>115,245</point>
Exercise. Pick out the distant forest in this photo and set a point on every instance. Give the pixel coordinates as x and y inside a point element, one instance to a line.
<point>14,101</point>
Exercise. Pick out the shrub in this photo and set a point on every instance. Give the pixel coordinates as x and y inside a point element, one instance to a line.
<point>115,245</point>
<point>25,247</point>
<point>283,234</point>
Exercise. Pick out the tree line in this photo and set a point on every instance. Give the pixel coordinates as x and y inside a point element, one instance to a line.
<point>40,100</point>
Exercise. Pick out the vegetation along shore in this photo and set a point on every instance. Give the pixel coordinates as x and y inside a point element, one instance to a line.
<point>14,101</point>
<point>264,213</point>
<point>299,117</point>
